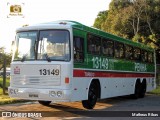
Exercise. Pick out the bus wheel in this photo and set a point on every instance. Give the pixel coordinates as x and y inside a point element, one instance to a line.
<point>92,96</point>
<point>137,90</point>
<point>46,103</point>
<point>143,89</point>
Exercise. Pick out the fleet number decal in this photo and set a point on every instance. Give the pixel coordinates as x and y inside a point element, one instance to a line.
<point>100,63</point>
<point>54,72</point>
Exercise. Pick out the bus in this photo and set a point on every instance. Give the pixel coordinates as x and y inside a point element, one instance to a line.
<point>66,61</point>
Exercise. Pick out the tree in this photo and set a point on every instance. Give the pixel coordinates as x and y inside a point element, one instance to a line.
<point>101,17</point>
<point>7,56</point>
<point>133,19</point>
<point>2,49</point>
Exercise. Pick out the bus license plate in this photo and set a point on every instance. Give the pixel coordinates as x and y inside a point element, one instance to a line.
<point>33,95</point>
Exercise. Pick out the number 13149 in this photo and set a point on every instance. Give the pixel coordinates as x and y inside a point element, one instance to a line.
<point>49,72</point>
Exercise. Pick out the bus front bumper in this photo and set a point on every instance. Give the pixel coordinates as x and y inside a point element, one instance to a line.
<point>54,95</point>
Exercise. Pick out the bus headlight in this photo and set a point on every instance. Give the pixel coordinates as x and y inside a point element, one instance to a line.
<point>13,91</point>
<point>56,93</point>
<point>16,91</point>
<point>59,93</point>
<point>52,93</point>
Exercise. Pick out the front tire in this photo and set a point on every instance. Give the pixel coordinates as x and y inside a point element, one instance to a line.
<point>45,103</point>
<point>92,96</point>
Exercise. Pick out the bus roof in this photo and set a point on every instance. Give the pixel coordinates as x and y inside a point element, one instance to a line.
<point>73,24</point>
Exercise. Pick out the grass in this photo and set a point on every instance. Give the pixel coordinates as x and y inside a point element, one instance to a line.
<point>5,99</point>
<point>156,91</point>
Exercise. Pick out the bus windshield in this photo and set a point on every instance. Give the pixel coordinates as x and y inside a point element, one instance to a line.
<point>53,45</point>
<point>25,45</point>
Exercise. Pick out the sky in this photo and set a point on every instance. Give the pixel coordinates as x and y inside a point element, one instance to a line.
<point>39,11</point>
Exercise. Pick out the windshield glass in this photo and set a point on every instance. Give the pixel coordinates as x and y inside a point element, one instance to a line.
<point>54,45</point>
<point>25,45</point>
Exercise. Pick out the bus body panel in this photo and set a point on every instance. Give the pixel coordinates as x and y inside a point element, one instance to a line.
<point>46,80</point>
<point>110,86</point>
<point>40,78</point>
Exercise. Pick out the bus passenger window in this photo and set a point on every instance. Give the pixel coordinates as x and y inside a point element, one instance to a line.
<point>94,44</point>
<point>137,54</point>
<point>144,56</point>
<point>107,47</point>
<point>78,49</point>
<point>150,57</point>
<point>119,50</point>
<point>128,52</point>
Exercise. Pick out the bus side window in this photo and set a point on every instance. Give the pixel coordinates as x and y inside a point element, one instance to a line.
<point>144,55</point>
<point>150,57</point>
<point>94,44</point>
<point>137,54</point>
<point>107,47</point>
<point>78,49</point>
<point>128,52</point>
<point>119,50</point>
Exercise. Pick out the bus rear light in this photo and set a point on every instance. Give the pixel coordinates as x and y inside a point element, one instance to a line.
<point>67,80</point>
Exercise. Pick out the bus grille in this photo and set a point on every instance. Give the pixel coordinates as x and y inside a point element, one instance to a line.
<point>35,80</point>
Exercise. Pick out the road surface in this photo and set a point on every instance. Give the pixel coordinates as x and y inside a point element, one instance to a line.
<point>118,108</point>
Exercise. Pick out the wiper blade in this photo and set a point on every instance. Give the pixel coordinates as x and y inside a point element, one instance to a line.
<point>24,58</point>
<point>47,58</point>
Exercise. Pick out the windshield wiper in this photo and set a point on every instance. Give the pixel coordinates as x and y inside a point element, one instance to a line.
<point>24,58</point>
<point>47,58</point>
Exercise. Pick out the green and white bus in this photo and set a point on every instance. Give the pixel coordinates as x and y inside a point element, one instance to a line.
<point>67,61</point>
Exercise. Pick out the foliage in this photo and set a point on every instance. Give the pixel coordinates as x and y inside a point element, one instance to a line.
<point>7,82</point>
<point>8,58</point>
<point>133,19</point>
<point>5,99</point>
<point>156,91</point>
<point>101,17</point>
